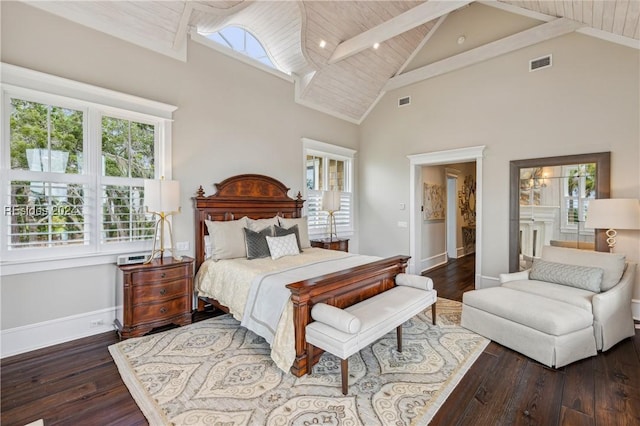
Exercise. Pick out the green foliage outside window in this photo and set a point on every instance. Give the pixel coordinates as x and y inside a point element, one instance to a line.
<point>50,139</point>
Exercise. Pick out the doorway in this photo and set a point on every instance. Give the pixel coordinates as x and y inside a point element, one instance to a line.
<point>442,158</point>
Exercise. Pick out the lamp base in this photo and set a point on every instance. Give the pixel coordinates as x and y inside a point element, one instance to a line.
<point>332,226</point>
<point>160,224</point>
<point>611,239</point>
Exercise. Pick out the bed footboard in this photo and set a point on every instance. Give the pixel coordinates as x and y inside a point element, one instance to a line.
<point>341,289</point>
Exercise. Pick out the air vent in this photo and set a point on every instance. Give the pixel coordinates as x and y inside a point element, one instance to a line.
<point>540,63</point>
<point>404,101</point>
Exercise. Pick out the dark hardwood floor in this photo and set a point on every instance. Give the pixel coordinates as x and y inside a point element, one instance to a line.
<point>506,388</point>
<point>77,383</point>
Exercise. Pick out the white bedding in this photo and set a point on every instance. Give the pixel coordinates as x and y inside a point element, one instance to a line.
<point>238,283</point>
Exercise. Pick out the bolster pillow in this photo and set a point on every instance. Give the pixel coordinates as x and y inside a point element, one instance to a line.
<point>416,281</point>
<point>336,318</point>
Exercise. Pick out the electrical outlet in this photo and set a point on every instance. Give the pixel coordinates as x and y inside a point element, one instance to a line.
<point>182,245</point>
<point>96,323</point>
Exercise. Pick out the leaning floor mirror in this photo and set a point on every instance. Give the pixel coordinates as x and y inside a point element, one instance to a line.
<point>549,203</point>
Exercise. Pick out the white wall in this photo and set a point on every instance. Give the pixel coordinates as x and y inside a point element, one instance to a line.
<point>232,118</point>
<point>587,102</point>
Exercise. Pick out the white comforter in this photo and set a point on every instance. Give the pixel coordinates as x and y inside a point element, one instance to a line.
<point>240,283</point>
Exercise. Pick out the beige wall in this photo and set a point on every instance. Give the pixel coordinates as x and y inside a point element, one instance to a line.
<point>232,118</point>
<point>587,102</point>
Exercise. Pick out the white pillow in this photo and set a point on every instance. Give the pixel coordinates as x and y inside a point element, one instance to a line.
<point>227,238</point>
<point>303,229</point>
<point>336,318</point>
<point>258,225</point>
<point>283,246</point>
<point>207,247</point>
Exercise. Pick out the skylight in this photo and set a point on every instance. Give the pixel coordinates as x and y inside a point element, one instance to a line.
<point>242,41</point>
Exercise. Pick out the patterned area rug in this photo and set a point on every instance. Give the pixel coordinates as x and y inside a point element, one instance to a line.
<point>215,372</point>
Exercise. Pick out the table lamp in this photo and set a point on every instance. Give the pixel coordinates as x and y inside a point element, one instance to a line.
<point>162,199</point>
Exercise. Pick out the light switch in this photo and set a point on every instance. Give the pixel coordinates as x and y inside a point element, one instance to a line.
<point>402,206</point>
<point>402,224</point>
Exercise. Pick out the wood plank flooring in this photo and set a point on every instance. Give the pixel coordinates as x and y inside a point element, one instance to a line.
<point>506,388</point>
<point>77,383</point>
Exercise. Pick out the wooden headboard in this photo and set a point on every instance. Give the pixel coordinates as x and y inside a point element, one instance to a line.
<point>251,195</point>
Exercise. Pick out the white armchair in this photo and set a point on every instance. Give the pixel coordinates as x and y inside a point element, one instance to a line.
<point>562,286</point>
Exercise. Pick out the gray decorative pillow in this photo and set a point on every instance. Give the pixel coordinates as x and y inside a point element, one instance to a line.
<point>281,232</point>
<point>584,277</point>
<point>256,243</point>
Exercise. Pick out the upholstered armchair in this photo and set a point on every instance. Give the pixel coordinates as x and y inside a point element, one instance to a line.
<point>568,305</point>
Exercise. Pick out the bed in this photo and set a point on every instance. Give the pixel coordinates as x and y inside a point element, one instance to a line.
<point>260,197</point>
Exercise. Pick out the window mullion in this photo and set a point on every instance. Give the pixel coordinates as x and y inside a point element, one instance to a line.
<point>93,143</point>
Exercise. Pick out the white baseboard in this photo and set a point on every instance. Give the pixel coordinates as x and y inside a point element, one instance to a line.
<point>27,338</point>
<point>432,262</point>
<point>635,309</point>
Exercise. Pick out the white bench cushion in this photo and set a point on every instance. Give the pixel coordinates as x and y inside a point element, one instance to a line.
<point>540,313</point>
<point>378,316</point>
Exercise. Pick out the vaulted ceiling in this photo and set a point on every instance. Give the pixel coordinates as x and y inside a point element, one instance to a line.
<point>347,76</point>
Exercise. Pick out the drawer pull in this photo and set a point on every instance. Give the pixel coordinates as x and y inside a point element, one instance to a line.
<point>163,291</point>
<point>163,310</point>
<point>164,274</point>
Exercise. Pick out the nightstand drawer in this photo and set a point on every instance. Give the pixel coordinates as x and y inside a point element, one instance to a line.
<point>159,311</point>
<point>167,274</point>
<point>157,292</point>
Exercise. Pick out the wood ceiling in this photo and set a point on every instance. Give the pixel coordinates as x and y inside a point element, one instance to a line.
<point>348,76</point>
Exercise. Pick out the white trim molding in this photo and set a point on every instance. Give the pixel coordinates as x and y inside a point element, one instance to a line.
<point>30,337</point>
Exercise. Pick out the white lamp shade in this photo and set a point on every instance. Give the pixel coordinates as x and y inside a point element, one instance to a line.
<point>613,213</point>
<point>162,195</point>
<point>331,201</point>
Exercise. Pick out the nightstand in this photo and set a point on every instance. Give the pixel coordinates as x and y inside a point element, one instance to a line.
<point>340,244</point>
<point>154,295</point>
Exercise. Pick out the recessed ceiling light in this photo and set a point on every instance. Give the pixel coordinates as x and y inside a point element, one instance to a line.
<point>376,45</point>
<point>461,39</point>
<point>323,44</point>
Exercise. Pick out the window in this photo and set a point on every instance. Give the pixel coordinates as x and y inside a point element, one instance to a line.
<point>579,186</point>
<point>74,170</point>
<point>241,41</point>
<point>328,168</point>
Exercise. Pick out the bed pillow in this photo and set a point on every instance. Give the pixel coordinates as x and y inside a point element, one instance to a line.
<point>207,247</point>
<point>260,224</point>
<point>256,243</point>
<point>584,277</point>
<point>281,232</point>
<point>303,229</point>
<point>227,238</point>
<point>283,246</point>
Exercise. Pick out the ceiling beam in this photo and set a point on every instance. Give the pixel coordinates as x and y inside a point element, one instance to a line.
<point>397,25</point>
<point>496,48</point>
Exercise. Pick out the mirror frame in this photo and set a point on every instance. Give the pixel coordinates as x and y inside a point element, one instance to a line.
<point>603,176</point>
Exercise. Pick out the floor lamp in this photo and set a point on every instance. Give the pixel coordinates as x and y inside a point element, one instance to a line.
<point>162,199</point>
<point>612,214</point>
<point>331,204</point>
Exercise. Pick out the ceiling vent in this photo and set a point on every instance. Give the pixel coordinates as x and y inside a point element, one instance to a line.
<point>404,101</point>
<point>540,63</point>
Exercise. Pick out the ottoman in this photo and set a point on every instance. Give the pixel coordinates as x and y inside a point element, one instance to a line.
<point>553,333</point>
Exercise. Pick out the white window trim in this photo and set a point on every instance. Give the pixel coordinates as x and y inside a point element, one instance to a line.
<point>323,149</point>
<point>22,82</point>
